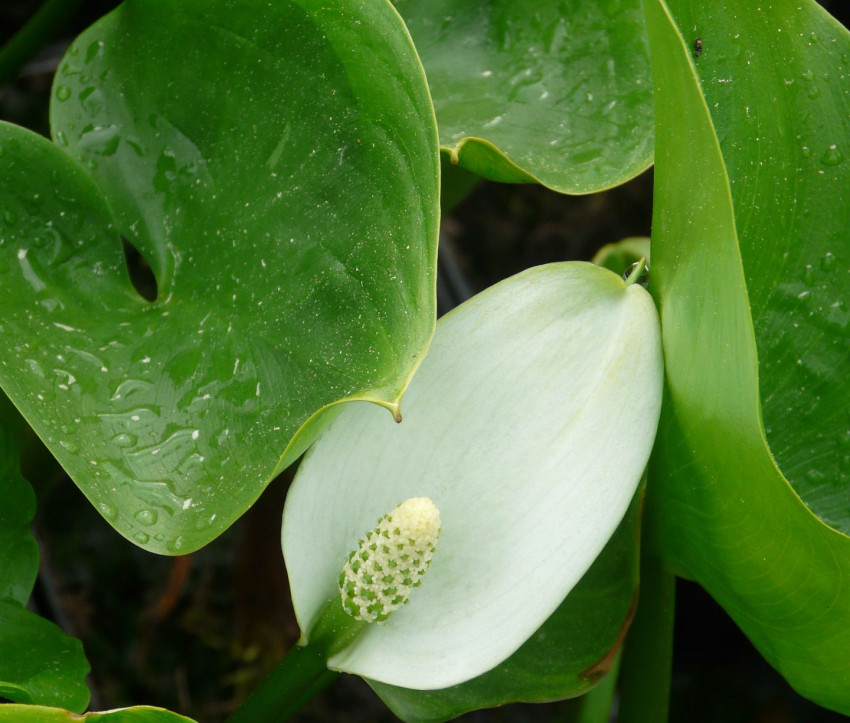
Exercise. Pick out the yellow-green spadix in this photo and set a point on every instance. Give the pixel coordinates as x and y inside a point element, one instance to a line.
<point>528,426</point>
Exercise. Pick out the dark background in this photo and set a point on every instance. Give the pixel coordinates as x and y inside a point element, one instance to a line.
<point>194,634</point>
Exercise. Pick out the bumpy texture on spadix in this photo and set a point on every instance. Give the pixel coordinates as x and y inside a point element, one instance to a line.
<point>380,574</point>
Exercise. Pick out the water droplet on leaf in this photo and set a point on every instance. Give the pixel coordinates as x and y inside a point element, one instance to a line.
<point>124,440</point>
<point>832,156</point>
<point>146,517</point>
<point>827,263</point>
<point>809,275</point>
<point>103,140</point>
<point>176,544</point>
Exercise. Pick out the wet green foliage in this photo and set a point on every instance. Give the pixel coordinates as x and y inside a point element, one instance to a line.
<point>274,171</point>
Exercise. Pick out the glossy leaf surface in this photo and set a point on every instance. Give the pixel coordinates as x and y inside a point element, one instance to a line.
<point>38,662</point>
<point>137,714</point>
<point>568,655</point>
<point>277,166</point>
<point>550,91</point>
<point>507,429</point>
<point>751,266</point>
<point>18,549</point>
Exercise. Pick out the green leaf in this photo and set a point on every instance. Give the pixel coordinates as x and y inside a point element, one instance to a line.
<point>137,714</point>
<point>750,259</point>
<point>550,91</point>
<point>508,428</point>
<point>277,166</point>
<point>18,548</point>
<point>571,652</point>
<point>38,662</point>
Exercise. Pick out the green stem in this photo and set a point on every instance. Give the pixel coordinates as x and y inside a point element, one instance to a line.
<point>297,678</point>
<point>40,28</point>
<point>303,672</point>
<point>596,703</point>
<point>648,654</point>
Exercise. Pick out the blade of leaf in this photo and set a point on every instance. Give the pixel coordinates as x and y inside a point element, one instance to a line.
<point>38,662</point>
<point>18,548</point>
<point>277,165</point>
<point>781,75</point>
<point>727,516</point>
<point>550,91</point>
<point>570,653</point>
<point>137,714</point>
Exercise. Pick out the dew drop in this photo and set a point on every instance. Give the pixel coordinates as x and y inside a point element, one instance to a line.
<point>124,440</point>
<point>176,544</point>
<point>815,475</point>
<point>63,92</point>
<point>108,511</point>
<point>146,517</point>
<point>832,157</point>
<point>204,523</point>
<point>827,263</point>
<point>103,140</point>
<point>93,50</point>
<point>809,275</point>
<point>70,446</point>
<point>141,537</point>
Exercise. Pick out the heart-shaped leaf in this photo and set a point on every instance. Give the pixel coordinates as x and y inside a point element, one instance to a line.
<point>556,92</point>
<point>277,165</point>
<point>750,266</point>
<point>508,429</point>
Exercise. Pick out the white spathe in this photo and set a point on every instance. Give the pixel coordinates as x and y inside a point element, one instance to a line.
<point>529,425</point>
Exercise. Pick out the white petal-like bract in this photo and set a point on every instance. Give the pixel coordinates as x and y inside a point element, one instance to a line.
<point>529,425</point>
